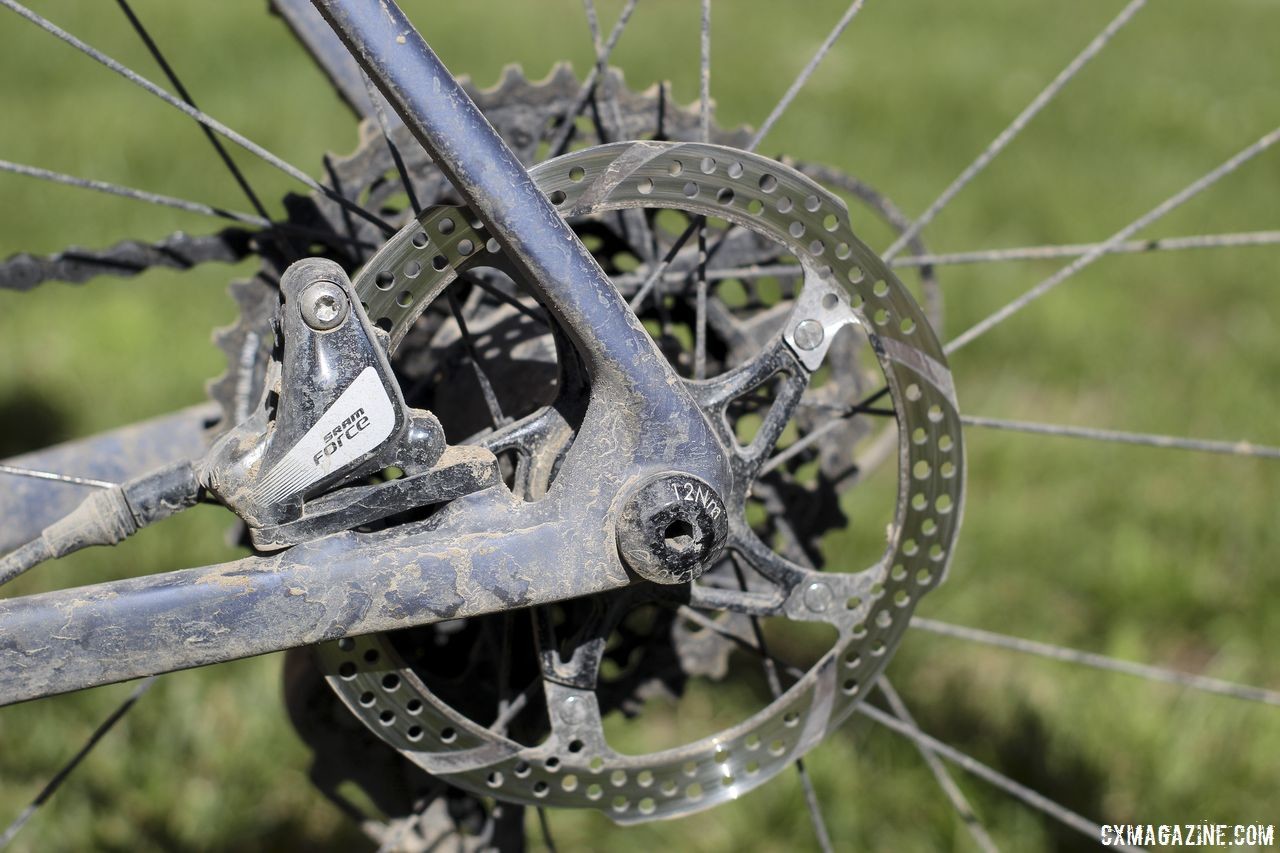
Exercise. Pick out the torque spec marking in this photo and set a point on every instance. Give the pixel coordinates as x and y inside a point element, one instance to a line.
<point>699,495</point>
<point>358,421</point>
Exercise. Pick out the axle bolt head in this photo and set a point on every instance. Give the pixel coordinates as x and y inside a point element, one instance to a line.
<point>324,306</point>
<point>672,528</point>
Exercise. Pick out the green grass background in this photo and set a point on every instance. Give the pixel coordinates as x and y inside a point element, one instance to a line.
<point>1150,555</point>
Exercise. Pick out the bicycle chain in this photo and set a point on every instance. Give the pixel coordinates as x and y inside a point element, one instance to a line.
<point>75,265</point>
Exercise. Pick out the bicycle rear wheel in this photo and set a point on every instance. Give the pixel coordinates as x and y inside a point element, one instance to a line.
<point>1134,552</point>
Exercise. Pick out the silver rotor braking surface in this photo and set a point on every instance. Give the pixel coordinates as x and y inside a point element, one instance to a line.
<point>844,284</point>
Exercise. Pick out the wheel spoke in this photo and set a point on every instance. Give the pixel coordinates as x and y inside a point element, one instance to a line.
<point>865,406</point>
<point>131,193</point>
<point>384,124</point>
<point>1032,798</point>
<point>748,272</point>
<point>611,102</point>
<point>984,256</point>
<point>473,356</point>
<point>775,687</point>
<point>704,124</point>
<point>1167,206</point>
<point>805,74</point>
<point>948,785</point>
<point>61,776</point>
<point>378,105</point>
<point>545,826</point>
<point>1062,653</point>
<point>630,221</point>
<point>593,22</point>
<point>18,471</point>
<point>1232,448</point>
<point>560,142</point>
<point>536,313</point>
<point>700,306</point>
<point>202,117</point>
<point>815,808</point>
<point>223,154</point>
<point>1051,252</point>
<point>704,72</point>
<point>660,270</point>
<point>1015,127</point>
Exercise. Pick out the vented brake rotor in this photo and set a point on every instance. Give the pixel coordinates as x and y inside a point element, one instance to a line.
<point>847,291</point>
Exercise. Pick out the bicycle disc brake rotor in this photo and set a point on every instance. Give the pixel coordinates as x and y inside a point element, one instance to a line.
<point>661,658</point>
<point>845,287</point>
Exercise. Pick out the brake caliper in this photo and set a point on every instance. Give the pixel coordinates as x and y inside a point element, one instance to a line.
<point>332,420</point>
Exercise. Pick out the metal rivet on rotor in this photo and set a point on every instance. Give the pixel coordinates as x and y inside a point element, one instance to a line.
<point>808,334</point>
<point>572,711</point>
<point>817,596</point>
<point>323,305</point>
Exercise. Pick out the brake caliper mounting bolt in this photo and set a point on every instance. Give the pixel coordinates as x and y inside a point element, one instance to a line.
<point>323,305</point>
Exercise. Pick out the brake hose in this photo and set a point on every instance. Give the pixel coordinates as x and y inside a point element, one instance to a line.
<point>109,516</point>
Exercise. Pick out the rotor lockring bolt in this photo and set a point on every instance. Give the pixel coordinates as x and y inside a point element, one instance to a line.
<point>324,305</point>
<point>809,334</point>
<point>672,528</point>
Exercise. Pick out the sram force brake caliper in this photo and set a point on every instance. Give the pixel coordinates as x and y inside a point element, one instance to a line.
<point>311,460</point>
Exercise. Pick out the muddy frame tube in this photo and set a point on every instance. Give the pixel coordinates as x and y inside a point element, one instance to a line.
<point>484,553</point>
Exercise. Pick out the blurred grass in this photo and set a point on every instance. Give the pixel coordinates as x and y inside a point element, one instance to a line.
<point>1144,554</point>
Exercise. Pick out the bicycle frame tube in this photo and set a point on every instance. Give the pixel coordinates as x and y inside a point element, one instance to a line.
<point>483,553</point>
